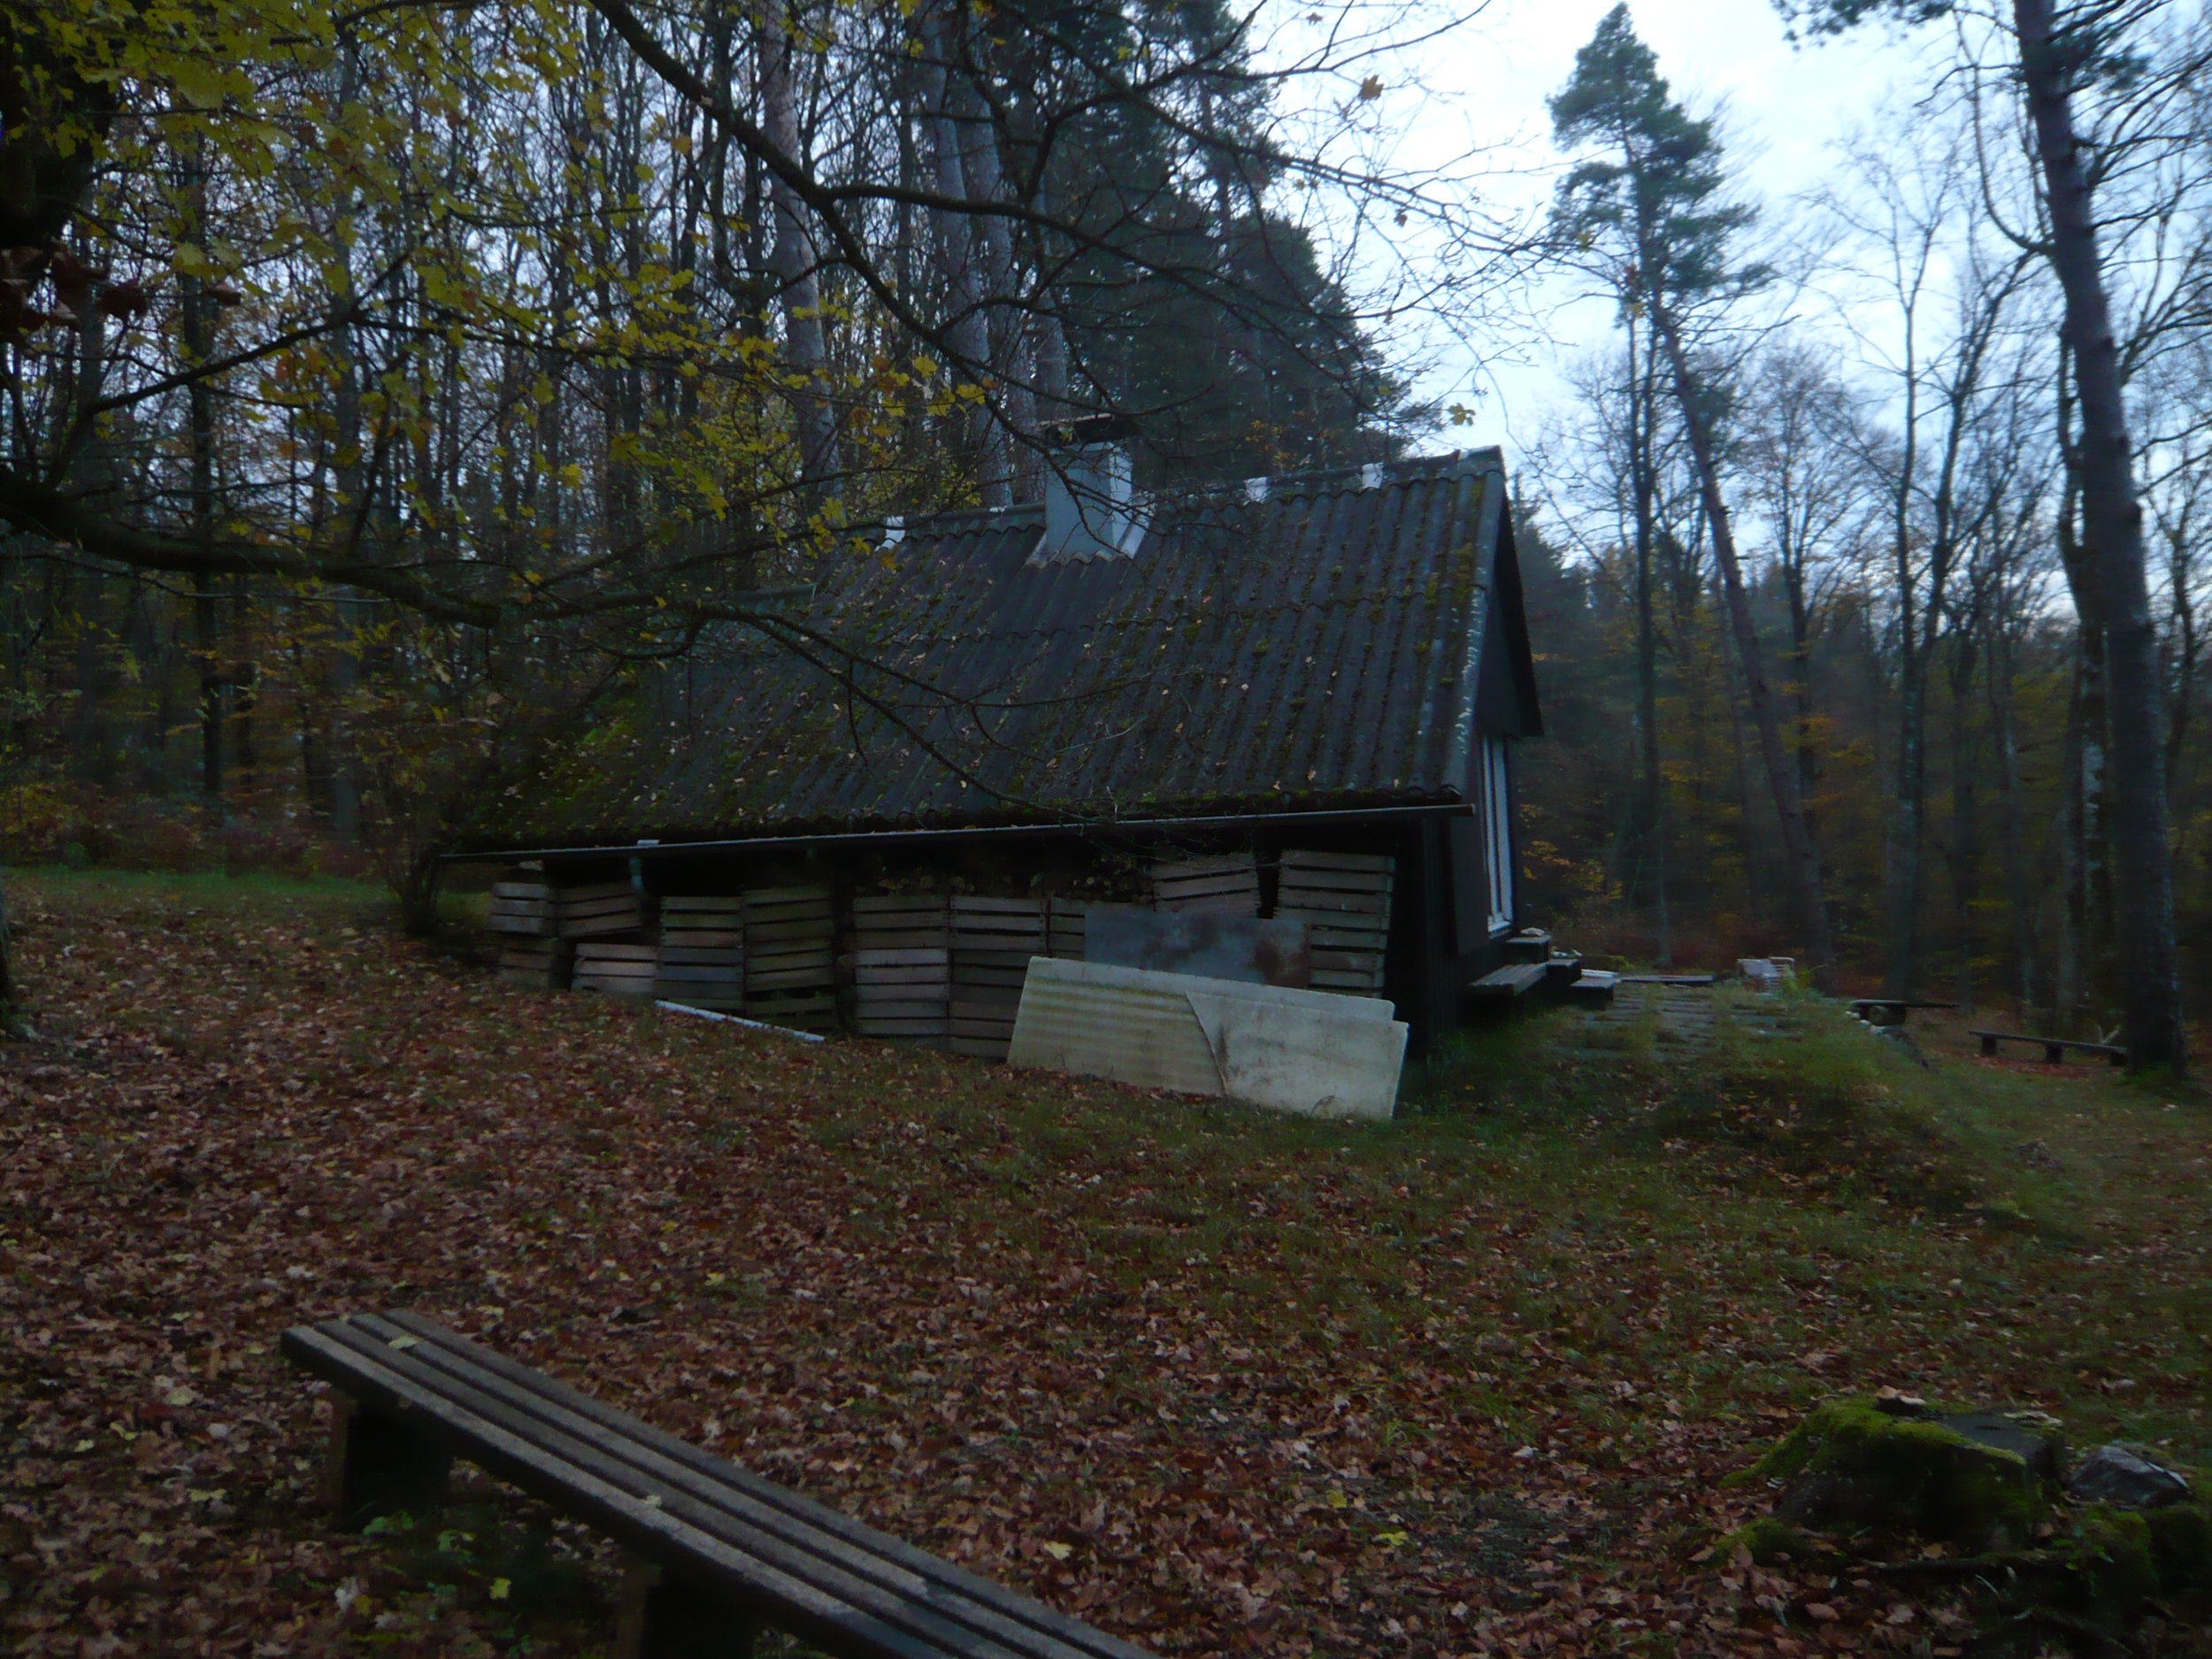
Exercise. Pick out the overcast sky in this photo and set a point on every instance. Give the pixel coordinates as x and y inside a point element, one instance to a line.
<point>1784,110</point>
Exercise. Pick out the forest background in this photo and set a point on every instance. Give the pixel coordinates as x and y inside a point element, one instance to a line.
<point>391,391</point>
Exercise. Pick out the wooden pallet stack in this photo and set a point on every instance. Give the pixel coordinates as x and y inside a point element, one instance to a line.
<point>524,915</point>
<point>597,911</point>
<point>993,941</point>
<point>615,968</point>
<point>899,964</point>
<point>702,953</point>
<point>1066,926</point>
<point>1227,886</point>
<point>523,907</point>
<point>535,964</point>
<point>1344,900</point>
<point>791,957</point>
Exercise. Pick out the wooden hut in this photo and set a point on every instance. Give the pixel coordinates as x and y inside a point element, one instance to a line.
<point>1291,697</point>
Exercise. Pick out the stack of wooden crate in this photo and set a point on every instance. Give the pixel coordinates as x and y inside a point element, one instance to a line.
<point>1227,886</point>
<point>615,968</point>
<point>537,965</point>
<point>1066,927</point>
<point>523,906</point>
<point>524,914</point>
<point>602,914</point>
<point>899,964</point>
<point>1344,899</point>
<point>993,941</point>
<point>791,957</point>
<point>595,912</point>
<point>702,953</point>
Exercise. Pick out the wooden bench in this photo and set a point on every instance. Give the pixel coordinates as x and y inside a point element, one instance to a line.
<point>2054,1048</point>
<point>1893,1009</point>
<point>718,1550</point>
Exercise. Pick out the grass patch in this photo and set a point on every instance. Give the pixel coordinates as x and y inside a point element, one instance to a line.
<point>213,889</point>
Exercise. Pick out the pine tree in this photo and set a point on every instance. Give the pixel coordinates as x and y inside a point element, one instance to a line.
<point>1645,209</point>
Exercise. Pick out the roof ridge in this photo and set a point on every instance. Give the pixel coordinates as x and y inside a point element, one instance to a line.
<point>1362,474</point>
<point>1368,474</point>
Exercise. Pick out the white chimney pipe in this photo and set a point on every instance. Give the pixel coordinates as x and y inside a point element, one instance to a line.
<point>1090,499</point>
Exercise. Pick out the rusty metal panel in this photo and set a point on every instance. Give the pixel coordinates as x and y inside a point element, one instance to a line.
<point>1212,945</point>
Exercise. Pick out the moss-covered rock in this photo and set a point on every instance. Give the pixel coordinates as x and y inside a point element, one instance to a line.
<point>2181,1546</point>
<point>2115,1572</point>
<point>1769,1539</point>
<point>1858,1463</point>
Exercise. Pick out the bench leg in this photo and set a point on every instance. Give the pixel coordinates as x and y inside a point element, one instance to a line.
<point>665,1618</point>
<point>1989,1047</point>
<point>379,1467</point>
<point>2053,1054</point>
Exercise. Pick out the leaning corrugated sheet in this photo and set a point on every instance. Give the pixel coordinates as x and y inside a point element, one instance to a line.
<point>1314,648</point>
<point>1265,1045</point>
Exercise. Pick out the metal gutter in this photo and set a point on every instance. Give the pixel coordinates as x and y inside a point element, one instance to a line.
<point>878,838</point>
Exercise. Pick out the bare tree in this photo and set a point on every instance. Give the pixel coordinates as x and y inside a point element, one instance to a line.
<point>1808,483</point>
<point>2060,56</point>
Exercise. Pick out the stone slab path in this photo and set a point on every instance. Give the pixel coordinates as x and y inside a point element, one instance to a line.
<point>1684,1020</point>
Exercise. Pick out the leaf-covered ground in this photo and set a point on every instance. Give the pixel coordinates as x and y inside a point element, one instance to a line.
<point>1468,1383</point>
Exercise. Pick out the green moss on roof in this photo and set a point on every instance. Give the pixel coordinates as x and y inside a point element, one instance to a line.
<point>1181,679</point>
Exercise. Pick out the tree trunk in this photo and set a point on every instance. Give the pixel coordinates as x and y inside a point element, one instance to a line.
<point>2112,522</point>
<point>1764,885</point>
<point>1965,817</point>
<point>1801,860</point>
<point>1650,861</point>
<point>1906,832</point>
<point>984,174</point>
<point>1903,829</point>
<point>207,642</point>
<point>791,257</point>
<point>343,791</point>
<point>199,330</point>
<point>1801,692</point>
<point>2021,902</point>
<point>2187,648</point>
<point>2068,971</point>
<point>11,1021</point>
<point>2089,889</point>
<point>88,737</point>
<point>966,334</point>
<point>418,890</point>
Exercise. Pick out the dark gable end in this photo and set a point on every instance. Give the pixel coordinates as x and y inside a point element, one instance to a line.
<point>1506,693</point>
<point>1293,644</point>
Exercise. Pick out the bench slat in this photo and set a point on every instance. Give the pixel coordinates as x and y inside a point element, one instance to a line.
<point>920,1608</point>
<point>811,1569</point>
<point>1047,1620</point>
<point>752,1505</point>
<point>654,1530</point>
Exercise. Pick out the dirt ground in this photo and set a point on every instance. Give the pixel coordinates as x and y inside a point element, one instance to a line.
<point>1468,1383</point>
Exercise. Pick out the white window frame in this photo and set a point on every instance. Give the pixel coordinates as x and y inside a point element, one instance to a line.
<point>1497,832</point>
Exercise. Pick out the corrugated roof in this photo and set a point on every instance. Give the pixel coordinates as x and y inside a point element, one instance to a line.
<point>1313,648</point>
